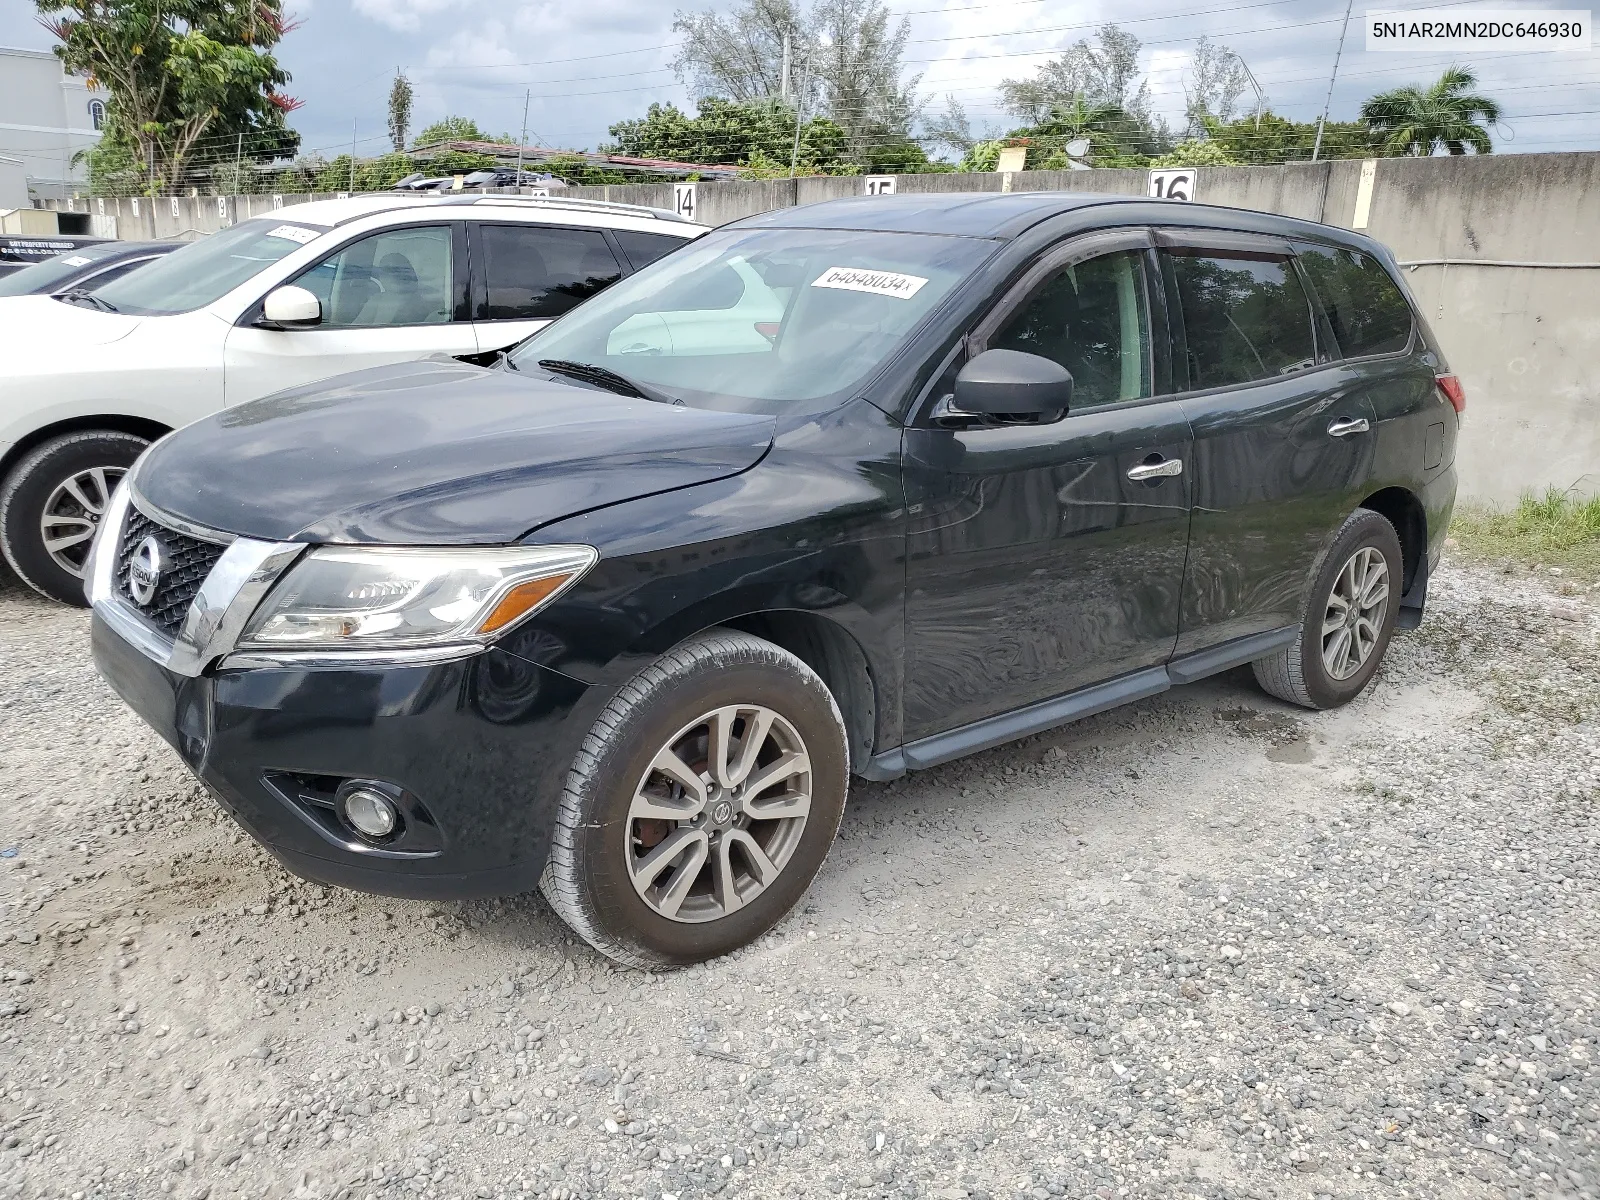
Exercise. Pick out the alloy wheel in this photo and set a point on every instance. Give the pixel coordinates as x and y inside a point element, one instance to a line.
<point>73,513</point>
<point>719,813</point>
<point>1353,620</point>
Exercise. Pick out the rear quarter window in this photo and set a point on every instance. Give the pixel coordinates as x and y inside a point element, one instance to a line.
<point>1369,314</point>
<point>643,249</point>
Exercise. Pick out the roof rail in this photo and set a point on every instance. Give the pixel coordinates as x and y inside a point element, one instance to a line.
<point>569,202</point>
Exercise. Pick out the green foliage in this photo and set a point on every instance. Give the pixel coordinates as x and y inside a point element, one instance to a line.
<point>1412,120</point>
<point>400,96</point>
<point>453,129</point>
<point>581,172</point>
<point>1194,152</point>
<point>190,84</point>
<point>1560,528</point>
<point>754,134</point>
<point>1276,140</point>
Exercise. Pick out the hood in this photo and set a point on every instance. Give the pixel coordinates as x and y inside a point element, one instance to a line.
<point>39,325</point>
<point>435,453</point>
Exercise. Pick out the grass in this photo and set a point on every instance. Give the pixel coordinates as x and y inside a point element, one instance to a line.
<point>1558,529</point>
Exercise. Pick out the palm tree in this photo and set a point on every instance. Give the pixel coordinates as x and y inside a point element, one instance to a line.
<point>1413,120</point>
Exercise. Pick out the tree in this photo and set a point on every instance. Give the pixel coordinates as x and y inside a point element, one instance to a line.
<point>452,129</point>
<point>845,57</point>
<point>1218,76</point>
<point>1106,73</point>
<point>856,61</point>
<point>759,132</point>
<point>1412,120</point>
<point>399,111</point>
<point>190,84</point>
<point>952,128</point>
<point>740,56</point>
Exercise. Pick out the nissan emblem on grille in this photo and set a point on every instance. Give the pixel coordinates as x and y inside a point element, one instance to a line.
<point>144,572</point>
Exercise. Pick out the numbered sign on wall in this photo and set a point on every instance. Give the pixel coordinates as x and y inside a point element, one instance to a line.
<point>684,201</point>
<point>1173,183</point>
<point>880,185</point>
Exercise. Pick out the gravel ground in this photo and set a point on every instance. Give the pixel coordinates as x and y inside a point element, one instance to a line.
<point>1204,946</point>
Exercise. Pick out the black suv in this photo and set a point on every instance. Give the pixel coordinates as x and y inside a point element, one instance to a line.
<point>859,487</point>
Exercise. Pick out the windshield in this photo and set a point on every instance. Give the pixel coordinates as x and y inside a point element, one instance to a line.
<point>754,320</point>
<point>43,276</point>
<point>193,276</point>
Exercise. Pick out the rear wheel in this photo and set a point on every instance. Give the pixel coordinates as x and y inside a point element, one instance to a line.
<point>701,805</point>
<point>1349,618</point>
<point>51,505</point>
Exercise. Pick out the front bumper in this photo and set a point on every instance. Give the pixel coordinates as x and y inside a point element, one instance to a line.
<point>474,743</point>
<point>483,743</point>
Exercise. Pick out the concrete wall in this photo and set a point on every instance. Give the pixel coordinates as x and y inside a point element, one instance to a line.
<point>1525,339</point>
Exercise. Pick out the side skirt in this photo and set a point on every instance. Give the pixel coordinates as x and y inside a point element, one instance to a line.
<point>1074,706</point>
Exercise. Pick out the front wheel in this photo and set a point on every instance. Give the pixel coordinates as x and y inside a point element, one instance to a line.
<point>51,504</point>
<point>701,805</point>
<point>1349,618</point>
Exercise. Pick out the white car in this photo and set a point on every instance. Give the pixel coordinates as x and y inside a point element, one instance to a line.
<point>271,303</point>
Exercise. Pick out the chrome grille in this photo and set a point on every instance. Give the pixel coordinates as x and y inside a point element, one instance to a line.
<point>186,563</point>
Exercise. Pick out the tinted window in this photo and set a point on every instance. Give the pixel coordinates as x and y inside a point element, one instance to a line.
<point>645,248</point>
<point>397,277</point>
<point>1092,319</point>
<point>1369,314</point>
<point>1245,316</point>
<point>541,272</point>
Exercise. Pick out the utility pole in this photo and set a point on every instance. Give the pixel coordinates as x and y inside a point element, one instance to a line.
<point>353,125</point>
<point>1328,103</point>
<point>783,81</point>
<point>523,140</point>
<point>1260,97</point>
<point>238,158</point>
<point>799,108</point>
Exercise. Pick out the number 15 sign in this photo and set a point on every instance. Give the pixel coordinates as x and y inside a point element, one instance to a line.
<point>1173,183</point>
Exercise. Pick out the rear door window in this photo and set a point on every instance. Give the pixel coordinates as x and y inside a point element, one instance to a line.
<point>534,271</point>
<point>1368,312</point>
<point>1246,315</point>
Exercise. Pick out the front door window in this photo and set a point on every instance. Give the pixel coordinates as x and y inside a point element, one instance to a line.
<point>397,277</point>
<point>1091,317</point>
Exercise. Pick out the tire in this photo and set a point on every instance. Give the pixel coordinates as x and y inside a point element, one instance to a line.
<point>601,843</point>
<point>94,460</point>
<point>1302,673</point>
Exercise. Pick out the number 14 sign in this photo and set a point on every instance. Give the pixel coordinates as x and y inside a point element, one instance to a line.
<point>1173,183</point>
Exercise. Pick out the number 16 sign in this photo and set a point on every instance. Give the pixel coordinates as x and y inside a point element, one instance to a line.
<point>1173,183</point>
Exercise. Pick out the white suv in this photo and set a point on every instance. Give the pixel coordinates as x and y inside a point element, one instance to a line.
<point>272,303</point>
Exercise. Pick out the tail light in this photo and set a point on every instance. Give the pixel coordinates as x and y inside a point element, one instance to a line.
<point>769,329</point>
<point>1453,392</point>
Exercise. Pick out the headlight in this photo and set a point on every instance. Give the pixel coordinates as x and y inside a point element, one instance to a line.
<point>370,597</point>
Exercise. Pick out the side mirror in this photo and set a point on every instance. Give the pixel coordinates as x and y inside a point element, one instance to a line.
<point>1009,383</point>
<point>291,307</point>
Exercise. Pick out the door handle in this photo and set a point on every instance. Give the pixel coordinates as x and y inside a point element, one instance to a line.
<point>1345,426</point>
<point>1156,470</point>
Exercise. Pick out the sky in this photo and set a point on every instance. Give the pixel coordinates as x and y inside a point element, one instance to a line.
<point>590,63</point>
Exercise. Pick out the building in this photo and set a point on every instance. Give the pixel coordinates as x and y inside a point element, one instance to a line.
<point>46,116</point>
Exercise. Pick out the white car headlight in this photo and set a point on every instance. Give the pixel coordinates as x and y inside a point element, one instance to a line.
<point>373,597</point>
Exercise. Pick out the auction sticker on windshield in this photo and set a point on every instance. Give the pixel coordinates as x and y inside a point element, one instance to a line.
<point>295,233</point>
<point>879,283</point>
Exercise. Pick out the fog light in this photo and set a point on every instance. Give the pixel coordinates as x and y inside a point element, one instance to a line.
<point>368,811</point>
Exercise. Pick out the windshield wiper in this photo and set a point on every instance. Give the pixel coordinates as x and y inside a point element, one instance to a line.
<point>606,378</point>
<point>80,296</point>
